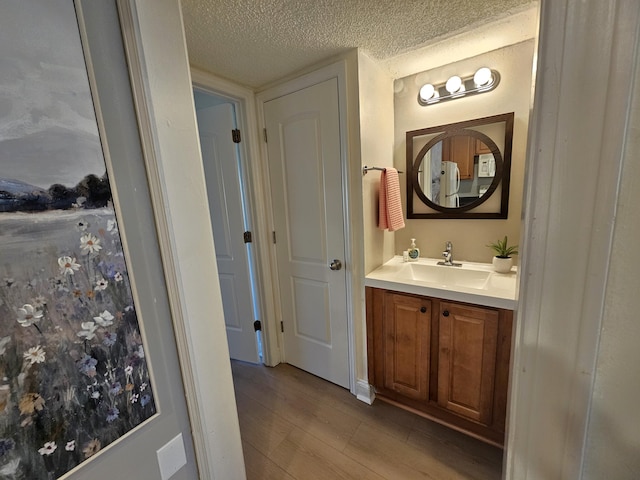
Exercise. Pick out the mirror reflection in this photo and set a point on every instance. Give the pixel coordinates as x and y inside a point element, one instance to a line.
<point>456,171</point>
<point>460,170</point>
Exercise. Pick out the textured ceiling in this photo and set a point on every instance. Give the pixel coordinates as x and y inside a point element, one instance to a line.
<point>255,42</point>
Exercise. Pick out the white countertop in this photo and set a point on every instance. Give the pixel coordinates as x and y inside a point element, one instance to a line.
<point>475,283</point>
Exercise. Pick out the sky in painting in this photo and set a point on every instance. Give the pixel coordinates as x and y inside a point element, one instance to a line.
<point>48,130</point>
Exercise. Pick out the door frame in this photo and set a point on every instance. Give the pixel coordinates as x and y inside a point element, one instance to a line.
<point>243,100</point>
<point>337,70</point>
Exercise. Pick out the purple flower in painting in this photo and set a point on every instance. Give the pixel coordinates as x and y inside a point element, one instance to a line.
<point>145,399</point>
<point>115,388</point>
<point>6,445</point>
<point>87,365</point>
<point>112,414</point>
<point>109,339</point>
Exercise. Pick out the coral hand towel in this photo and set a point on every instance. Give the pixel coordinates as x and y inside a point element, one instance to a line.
<point>390,206</point>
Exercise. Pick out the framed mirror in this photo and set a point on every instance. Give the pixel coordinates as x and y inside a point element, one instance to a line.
<point>460,170</point>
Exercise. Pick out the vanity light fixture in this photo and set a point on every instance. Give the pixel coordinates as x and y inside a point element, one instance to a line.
<point>484,80</point>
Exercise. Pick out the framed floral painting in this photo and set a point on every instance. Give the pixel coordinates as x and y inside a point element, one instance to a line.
<point>74,376</point>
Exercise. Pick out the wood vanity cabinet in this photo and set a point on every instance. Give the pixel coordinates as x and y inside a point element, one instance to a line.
<point>445,360</point>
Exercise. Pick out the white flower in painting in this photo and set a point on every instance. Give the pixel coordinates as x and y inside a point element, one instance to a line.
<point>128,370</point>
<point>95,395</point>
<point>82,225</point>
<point>88,330</point>
<point>70,446</point>
<point>118,277</point>
<point>90,244</point>
<point>4,341</point>
<point>48,448</point>
<point>9,469</point>
<point>112,227</point>
<point>68,265</point>
<point>39,301</point>
<point>28,315</point>
<point>101,284</point>
<point>143,387</point>
<point>134,398</point>
<point>140,352</point>
<point>34,355</point>
<point>104,319</point>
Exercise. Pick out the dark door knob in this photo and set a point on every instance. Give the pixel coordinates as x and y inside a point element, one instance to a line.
<point>445,313</point>
<point>423,310</point>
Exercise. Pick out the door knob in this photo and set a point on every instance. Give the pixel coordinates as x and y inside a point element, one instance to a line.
<point>335,265</point>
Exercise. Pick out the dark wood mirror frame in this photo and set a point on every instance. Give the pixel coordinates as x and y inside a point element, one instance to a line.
<point>443,132</point>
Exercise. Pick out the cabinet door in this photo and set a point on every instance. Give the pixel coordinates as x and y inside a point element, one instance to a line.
<point>461,150</point>
<point>468,340</point>
<point>407,337</point>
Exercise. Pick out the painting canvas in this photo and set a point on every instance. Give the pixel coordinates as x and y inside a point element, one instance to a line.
<point>74,376</point>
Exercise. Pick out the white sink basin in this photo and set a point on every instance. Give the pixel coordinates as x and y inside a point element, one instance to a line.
<point>472,282</point>
<point>445,276</point>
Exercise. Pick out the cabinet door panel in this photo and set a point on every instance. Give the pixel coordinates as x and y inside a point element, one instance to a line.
<point>407,332</point>
<point>467,360</point>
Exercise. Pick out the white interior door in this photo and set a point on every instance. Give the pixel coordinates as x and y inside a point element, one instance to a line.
<point>303,132</point>
<point>224,189</point>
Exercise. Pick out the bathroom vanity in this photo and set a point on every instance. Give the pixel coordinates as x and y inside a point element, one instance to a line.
<point>439,342</point>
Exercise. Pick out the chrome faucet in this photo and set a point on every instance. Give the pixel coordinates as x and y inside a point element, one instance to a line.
<point>448,256</point>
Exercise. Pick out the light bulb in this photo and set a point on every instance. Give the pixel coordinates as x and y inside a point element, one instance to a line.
<point>483,77</point>
<point>454,84</point>
<point>427,92</point>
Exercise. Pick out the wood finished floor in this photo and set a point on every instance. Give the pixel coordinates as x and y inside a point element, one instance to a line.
<point>297,426</point>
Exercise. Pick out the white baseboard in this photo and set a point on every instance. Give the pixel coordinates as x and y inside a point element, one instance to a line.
<point>364,392</point>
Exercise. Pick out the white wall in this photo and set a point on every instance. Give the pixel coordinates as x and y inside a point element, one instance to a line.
<point>170,136</point>
<point>513,94</point>
<point>376,137</point>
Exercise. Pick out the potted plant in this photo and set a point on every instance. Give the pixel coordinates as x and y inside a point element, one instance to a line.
<point>502,261</point>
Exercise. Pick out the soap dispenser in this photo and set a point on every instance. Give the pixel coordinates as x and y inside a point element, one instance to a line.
<point>414,252</point>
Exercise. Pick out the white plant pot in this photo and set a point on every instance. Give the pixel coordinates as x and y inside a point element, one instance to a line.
<point>502,265</point>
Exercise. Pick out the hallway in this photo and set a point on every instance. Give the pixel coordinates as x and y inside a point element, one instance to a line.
<point>297,426</point>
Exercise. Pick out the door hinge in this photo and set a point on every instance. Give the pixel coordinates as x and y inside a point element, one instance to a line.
<point>235,135</point>
<point>257,325</point>
<point>282,327</point>
<point>274,236</point>
<point>247,237</point>
<point>264,131</point>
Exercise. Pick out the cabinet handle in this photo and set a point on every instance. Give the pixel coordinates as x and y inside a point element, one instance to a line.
<point>445,313</point>
<point>423,310</point>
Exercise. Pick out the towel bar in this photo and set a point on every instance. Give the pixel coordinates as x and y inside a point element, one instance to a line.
<point>365,169</point>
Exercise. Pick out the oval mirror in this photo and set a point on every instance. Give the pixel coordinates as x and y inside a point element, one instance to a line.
<point>460,170</point>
